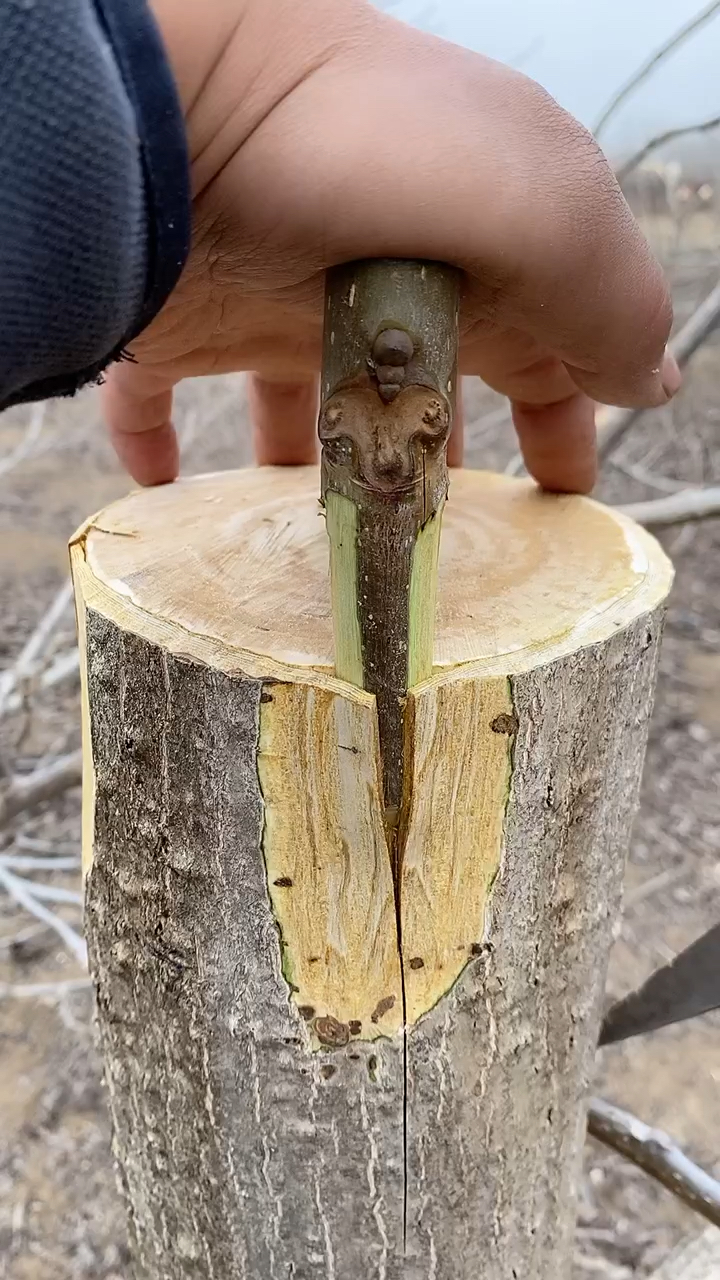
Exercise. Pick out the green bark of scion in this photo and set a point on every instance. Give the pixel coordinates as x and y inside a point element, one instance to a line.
<point>389,380</point>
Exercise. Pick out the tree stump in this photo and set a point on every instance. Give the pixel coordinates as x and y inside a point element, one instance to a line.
<point>315,1069</point>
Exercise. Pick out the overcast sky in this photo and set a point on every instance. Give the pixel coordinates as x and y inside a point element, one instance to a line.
<point>582,50</point>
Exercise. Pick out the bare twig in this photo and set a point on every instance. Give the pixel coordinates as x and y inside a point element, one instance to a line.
<point>28,656</point>
<point>671,135</point>
<point>32,434</point>
<point>648,887</point>
<point>30,933</point>
<point>605,1235</point>
<point>613,423</point>
<point>679,508</point>
<point>660,55</point>
<point>65,667</point>
<point>655,1153</point>
<point>38,990</point>
<point>19,890</point>
<point>22,862</point>
<point>43,784</point>
<point>653,481</point>
<point>50,847</point>
<point>46,892</point>
<point>600,1267</point>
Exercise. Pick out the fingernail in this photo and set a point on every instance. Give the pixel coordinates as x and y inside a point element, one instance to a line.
<point>671,375</point>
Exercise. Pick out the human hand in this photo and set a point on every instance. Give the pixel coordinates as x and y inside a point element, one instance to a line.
<point>326,132</point>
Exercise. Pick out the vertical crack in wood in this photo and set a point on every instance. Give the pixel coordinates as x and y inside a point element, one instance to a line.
<point>397,864</point>
<point>408,726</point>
<point>389,372</point>
<point>405,1133</point>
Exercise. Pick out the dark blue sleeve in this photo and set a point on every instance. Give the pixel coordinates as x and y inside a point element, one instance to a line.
<point>94,189</point>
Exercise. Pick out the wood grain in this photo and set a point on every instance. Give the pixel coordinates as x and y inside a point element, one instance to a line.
<point>459,759</point>
<point>240,558</point>
<point>328,863</point>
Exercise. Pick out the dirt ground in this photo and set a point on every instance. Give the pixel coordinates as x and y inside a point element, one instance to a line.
<point>60,1215</point>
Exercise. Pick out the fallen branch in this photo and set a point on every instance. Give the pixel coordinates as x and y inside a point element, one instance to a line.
<point>679,508</point>
<point>655,1153</point>
<point>46,892</point>
<point>43,784</point>
<point>662,880</point>
<point>50,848</point>
<point>37,990</point>
<point>600,1267</point>
<point>34,647</point>
<point>23,862</point>
<point>20,892</point>
<point>660,55</point>
<point>65,667</point>
<point>30,933</point>
<point>515,465</point>
<point>32,434</point>
<point>671,135</point>
<point>664,484</point>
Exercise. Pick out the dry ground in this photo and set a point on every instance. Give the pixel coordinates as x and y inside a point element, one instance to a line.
<point>59,1212</point>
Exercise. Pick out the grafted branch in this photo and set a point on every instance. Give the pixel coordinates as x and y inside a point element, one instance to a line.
<point>655,1153</point>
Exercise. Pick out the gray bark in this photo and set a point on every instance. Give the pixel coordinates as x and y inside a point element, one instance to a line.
<point>243,1155</point>
<point>499,1072</point>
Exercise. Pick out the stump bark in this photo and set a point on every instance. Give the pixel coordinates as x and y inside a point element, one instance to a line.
<point>313,1069</point>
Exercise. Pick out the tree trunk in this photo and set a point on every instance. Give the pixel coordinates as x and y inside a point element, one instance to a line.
<point>307,1077</point>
